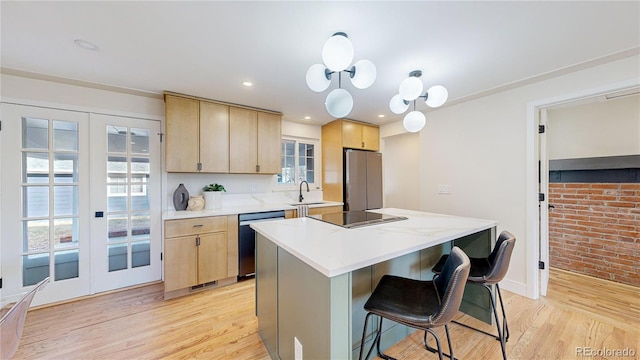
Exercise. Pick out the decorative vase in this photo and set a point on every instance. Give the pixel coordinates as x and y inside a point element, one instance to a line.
<point>212,200</point>
<point>196,203</point>
<point>180,198</point>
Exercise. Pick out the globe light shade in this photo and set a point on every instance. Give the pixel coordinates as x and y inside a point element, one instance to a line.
<point>339,103</point>
<point>365,74</point>
<point>414,121</point>
<point>436,96</point>
<point>316,78</point>
<point>397,105</point>
<point>337,53</point>
<point>411,88</point>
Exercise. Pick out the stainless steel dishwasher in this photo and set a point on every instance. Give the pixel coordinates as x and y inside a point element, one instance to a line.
<point>247,240</point>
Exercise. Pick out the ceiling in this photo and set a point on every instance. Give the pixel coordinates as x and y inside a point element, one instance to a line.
<point>208,49</point>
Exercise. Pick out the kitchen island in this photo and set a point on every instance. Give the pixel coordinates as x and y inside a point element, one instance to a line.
<point>312,278</point>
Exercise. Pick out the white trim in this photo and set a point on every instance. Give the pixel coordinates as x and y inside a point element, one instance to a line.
<point>76,108</point>
<point>515,287</point>
<point>532,223</point>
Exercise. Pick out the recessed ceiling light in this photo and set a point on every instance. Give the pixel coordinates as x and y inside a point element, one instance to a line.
<point>86,45</point>
<point>247,83</point>
<point>381,115</point>
<point>307,117</point>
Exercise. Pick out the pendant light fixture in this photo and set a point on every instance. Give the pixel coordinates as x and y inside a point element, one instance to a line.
<point>411,89</point>
<point>337,55</point>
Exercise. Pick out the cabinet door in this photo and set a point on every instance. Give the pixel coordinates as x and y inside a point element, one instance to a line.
<point>181,128</point>
<point>180,263</point>
<point>269,143</point>
<point>243,144</point>
<point>214,137</point>
<point>325,210</point>
<point>212,257</point>
<point>371,137</point>
<point>351,135</point>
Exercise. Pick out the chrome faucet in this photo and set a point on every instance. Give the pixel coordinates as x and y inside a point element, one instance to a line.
<point>301,197</point>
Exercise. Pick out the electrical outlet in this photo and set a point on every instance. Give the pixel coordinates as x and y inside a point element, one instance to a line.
<point>444,189</point>
<point>297,349</point>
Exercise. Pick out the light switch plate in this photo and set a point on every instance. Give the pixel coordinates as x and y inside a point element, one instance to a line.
<point>444,189</point>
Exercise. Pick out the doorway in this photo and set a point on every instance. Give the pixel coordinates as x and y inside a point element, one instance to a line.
<point>588,147</point>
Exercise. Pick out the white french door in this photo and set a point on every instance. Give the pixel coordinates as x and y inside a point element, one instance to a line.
<point>59,169</point>
<point>45,202</point>
<point>125,201</point>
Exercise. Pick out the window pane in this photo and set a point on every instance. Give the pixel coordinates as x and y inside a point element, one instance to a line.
<point>140,141</point>
<point>65,232</point>
<point>35,268</point>
<point>65,200</point>
<point>116,139</point>
<point>116,198</point>
<point>140,225</point>
<point>35,201</point>
<point>118,227</point>
<point>117,257</point>
<point>140,254</point>
<point>139,197</point>
<point>116,167</point>
<point>35,235</point>
<point>66,264</point>
<point>35,167</point>
<point>65,135</point>
<point>35,133</point>
<point>140,169</point>
<point>65,168</point>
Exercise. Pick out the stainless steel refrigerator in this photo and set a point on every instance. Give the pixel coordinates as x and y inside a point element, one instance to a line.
<point>362,180</point>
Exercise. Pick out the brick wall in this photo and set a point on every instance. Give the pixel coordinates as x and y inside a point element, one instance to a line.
<point>594,229</point>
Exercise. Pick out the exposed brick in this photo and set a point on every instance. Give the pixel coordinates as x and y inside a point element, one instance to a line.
<point>594,229</point>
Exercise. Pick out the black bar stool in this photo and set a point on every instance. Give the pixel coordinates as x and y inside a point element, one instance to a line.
<point>486,272</point>
<point>419,304</point>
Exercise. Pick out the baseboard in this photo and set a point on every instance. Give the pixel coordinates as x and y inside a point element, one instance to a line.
<point>514,287</point>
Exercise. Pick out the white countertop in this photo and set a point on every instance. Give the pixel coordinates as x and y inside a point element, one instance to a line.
<point>333,250</point>
<point>239,209</point>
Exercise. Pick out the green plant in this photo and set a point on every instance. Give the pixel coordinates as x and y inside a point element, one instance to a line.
<point>214,187</point>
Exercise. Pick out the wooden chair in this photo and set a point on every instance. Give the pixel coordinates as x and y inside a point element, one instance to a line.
<point>12,323</point>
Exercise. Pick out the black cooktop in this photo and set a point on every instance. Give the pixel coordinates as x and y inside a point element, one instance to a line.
<point>352,219</point>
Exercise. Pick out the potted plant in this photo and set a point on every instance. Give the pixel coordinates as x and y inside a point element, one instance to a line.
<point>213,196</point>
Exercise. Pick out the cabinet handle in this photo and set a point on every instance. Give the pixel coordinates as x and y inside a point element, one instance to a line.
<point>198,241</point>
<point>199,166</point>
<point>257,168</point>
<point>363,144</point>
<point>199,225</point>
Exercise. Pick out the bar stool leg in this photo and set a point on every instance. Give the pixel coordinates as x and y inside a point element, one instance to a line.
<point>495,315</point>
<point>505,325</point>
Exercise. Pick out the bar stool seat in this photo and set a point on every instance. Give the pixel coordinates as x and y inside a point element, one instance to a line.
<point>419,304</point>
<point>486,272</point>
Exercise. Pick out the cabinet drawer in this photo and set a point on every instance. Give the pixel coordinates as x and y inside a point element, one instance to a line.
<point>182,227</point>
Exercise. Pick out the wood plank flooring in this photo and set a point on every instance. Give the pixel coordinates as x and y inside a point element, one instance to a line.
<point>220,324</point>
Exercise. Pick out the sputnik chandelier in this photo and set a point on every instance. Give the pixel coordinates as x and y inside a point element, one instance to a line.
<point>410,90</point>
<point>337,55</point>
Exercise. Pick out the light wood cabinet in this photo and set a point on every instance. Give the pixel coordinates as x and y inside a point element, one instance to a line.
<point>254,141</point>
<point>198,251</point>
<point>336,136</point>
<point>362,136</point>
<point>197,136</point>
<point>213,137</point>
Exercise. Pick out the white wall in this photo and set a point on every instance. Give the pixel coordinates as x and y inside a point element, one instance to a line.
<point>401,166</point>
<point>481,149</point>
<point>603,128</point>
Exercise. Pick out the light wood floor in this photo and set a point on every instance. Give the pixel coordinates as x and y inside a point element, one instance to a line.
<point>220,324</point>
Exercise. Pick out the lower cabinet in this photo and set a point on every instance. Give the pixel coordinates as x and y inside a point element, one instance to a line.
<point>315,211</point>
<point>199,252</point>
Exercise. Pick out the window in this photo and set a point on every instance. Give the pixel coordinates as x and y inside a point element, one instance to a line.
<point>299,161</point>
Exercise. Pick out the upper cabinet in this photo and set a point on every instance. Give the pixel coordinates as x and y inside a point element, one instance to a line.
<point>254,141</point>
<point>212,137</point>
<point>357,135</point>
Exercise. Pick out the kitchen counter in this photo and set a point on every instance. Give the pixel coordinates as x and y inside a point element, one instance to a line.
<point>313,278</point>
<point>241,209</point>
<point>333,250</point>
